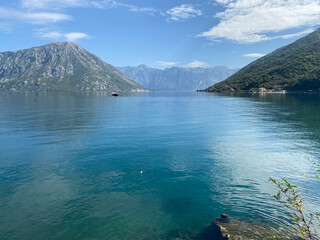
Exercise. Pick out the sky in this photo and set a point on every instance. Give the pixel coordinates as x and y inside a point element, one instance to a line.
<point>160,33</point>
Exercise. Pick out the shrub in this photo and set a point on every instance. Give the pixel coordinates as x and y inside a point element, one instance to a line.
<point>290,197</point>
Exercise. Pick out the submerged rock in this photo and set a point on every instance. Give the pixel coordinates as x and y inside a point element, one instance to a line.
<point>239,230</point>
<point>226,228</point>
<point>225,216</point>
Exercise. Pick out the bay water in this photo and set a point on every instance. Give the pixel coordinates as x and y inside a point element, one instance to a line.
<point>142,165</point>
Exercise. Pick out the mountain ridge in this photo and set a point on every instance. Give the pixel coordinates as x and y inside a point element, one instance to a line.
<point>60,66</point>
<point>176,78</point>
<point>294,67</point>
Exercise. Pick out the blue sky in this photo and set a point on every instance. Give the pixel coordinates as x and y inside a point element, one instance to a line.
<point>162,33</point>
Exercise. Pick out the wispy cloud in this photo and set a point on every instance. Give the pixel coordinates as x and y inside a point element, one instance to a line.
<point>254,55</point>
<point>147,10</point>
<point>248,21</point>
<point>33,17</point>
<point>52,4</point>
<point>294,34</point>
<point>107,4</point>
<point>196,63</point>
<point>44,12</point>
<point>130,7</point>
<point>102,4</point>
<point>193,64</point>
<point>65,36</point>
<point>183,12</point>
<point>164,64</point>
<point>75,36</point>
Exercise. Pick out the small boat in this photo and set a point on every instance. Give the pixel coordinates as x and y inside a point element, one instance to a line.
<point>115,94</point>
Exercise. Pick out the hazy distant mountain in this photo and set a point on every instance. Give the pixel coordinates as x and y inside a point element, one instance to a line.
<point>294,67</point>
<point>60,66</point>
<point>176,78</point>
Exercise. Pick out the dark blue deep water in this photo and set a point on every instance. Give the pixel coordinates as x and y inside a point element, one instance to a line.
<point>70,162</point>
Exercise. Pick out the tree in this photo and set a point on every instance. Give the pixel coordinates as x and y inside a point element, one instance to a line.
<point>290,197</point>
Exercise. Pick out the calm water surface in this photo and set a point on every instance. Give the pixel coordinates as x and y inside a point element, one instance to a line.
<point>70,163</point>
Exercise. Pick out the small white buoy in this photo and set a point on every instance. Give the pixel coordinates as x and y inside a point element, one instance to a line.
<point>141,172</point>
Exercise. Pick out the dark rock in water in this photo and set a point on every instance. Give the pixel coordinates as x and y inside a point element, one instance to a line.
<point>226,228</point>
<point>233,229</point>
<point>225,215</point>
<point>212,232</point>
<point>223,218</point>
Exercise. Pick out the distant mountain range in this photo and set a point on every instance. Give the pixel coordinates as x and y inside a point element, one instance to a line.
<point>177,78</point>
<point>60,66</point>
<point>295,67</point>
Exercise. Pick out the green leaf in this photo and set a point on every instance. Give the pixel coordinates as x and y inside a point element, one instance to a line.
<point>303,232</point>
<point>296,219</point>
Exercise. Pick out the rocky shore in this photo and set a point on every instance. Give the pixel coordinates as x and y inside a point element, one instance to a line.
<point>232,229</point>
<point>226,228</point>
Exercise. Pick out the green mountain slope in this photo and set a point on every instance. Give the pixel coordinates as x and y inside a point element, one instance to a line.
<point>294,67</point>
<point>60,66</point>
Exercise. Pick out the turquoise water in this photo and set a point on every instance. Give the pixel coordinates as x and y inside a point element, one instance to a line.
<point>70,163</point>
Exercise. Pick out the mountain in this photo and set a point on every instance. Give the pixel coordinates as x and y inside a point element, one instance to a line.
<point>295,67</point>
<point>60,66</point>
<point>176,78</point>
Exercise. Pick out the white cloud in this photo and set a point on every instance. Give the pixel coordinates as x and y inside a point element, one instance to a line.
<point>75,36</point>
<point>164,64</point>
<point>249,21</point>
<point>254,55</point>
<point>102,4</point>
<point>196,64</point>
<point>43,17</point>
<point>294,34</point>
<point>193,64</point>
<point>132,8</point>
<point>33,17</point>
<point>65,36</point>
<point>52,4</point>
<point>223,1</point>
<point>151,11</point>
<point>183,12</point>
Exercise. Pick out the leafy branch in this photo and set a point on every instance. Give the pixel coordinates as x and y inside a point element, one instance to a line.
<point>290,197</point>
<point>317,175</point>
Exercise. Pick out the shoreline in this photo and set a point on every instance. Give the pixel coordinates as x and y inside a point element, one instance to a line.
<point>267,92</point>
